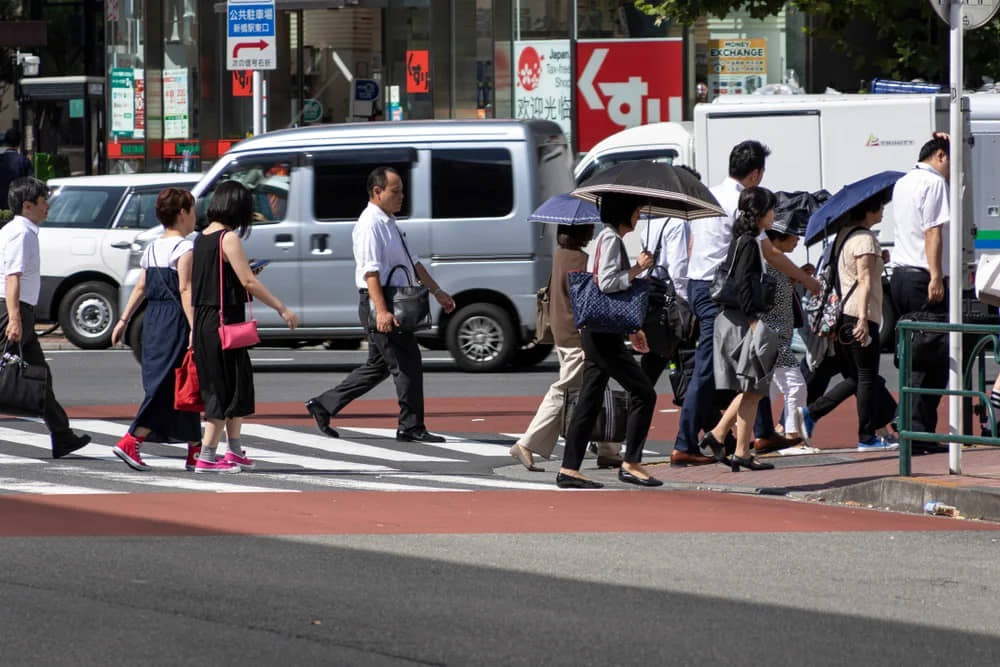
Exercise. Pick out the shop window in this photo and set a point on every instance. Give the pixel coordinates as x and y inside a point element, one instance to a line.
<point>84,208</point>
<point>268,181</point>
<point>341,184</point>
<point>471,183</point>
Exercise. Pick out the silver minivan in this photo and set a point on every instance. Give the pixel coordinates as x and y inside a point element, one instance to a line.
<point>469,185</point>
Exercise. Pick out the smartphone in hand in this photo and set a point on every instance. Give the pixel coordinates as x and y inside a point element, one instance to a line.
<point>258,264</point>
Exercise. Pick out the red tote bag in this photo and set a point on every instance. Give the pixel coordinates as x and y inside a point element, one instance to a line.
<point>187,390</point>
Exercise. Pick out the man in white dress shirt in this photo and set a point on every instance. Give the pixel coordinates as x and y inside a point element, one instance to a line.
<point>20,284</point>
<point>379,246</point>
<point>920,271</point>
<point>710,241</point>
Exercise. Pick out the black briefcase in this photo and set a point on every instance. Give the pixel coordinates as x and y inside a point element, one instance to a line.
<point>611,420</point>
<point>410,305</point>
<point>22,386</point>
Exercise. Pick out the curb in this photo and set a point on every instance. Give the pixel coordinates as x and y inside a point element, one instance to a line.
<point>907,494</point>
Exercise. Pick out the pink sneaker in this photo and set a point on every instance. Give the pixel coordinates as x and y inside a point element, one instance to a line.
<point>127,450</point>
<point>244,462</point>
<point>222,466</point>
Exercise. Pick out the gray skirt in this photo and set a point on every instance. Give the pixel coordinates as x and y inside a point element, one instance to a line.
<point>731,327</point>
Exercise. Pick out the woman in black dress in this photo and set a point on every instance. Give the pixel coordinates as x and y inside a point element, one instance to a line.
<point>226,376</point>
<point>166,332</point>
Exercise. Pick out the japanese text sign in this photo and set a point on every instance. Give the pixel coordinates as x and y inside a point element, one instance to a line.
<point>543,83</point>
<point>418,69</point>
<point>250,35</point>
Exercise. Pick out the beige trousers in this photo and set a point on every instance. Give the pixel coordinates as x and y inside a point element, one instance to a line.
<point>543,431</point>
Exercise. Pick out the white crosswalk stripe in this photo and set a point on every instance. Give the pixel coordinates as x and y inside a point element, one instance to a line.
<point>327,463</point>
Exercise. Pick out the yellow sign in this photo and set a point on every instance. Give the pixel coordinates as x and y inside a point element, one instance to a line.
<point>736,66</point>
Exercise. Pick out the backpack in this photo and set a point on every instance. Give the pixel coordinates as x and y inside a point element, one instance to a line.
<point>822,313</point>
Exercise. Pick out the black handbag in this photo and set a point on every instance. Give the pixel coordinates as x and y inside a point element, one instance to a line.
<point>670,321</point>
<point>763,288</point>
<point>611,420</point>
<point>23,386</point>
<point>410,304</point>
<point>681,373</point>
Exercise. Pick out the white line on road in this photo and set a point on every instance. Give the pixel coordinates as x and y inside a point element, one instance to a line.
<point>454,444</point>
<point>356,484</point>
<point>479,481</point>
<point>47,488</point>
<point>213,483</point>
<point>338,445</point>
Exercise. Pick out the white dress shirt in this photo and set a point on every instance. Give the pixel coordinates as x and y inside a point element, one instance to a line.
<point>710,238</point>
<point>19,240</point>
<point>920,202</point>
<point>673,236</point>
<point>609,262</point>
<point>378,246</point>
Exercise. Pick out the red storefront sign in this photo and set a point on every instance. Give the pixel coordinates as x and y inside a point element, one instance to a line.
<point>622,84</point>
<point>418,69</point>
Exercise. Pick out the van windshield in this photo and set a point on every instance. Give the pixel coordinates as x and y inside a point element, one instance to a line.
<point>554,174</point>
<point>662,155</point>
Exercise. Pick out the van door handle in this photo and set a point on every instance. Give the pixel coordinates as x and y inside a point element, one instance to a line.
<point>121,245</point>
<point>318,244</point>
<point>284,240</point>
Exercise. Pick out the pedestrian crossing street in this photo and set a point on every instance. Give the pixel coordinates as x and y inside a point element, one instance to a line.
<point>288,460</point>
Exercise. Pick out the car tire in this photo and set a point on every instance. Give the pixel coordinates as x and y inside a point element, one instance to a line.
<point>532,355</point>
<point>87,315</point>
<point>481,338</point>
<point>133,335</point>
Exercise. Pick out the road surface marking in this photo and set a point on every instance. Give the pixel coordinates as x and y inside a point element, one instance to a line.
<point>47,488</point>
<point>338,445</point>
<point>454,444</point>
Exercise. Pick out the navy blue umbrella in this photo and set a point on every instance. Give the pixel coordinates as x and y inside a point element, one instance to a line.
<point>566,210</point>
<point>833,214</point>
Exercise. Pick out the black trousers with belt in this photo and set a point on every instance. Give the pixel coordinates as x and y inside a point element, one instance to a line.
<point>930,371</point>
<point>606,357</point>
<point>31,351</point>
<point>395,354</point>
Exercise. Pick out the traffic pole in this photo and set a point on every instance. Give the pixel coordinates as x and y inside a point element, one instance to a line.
<point>258,103</point>
<point>955,254</point>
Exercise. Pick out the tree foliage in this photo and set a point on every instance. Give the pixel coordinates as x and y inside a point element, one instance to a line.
<point>916,37</point>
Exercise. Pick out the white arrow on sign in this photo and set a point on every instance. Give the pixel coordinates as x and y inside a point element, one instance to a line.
<point>587,76</point>
<point>977,13</point>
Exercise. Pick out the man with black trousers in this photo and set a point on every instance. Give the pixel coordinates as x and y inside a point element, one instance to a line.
<point>13,164</point>
<point>378,247</point>
<point>21,282</point>
<point>920,273</point>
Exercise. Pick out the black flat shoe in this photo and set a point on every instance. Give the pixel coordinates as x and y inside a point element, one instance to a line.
<point>570,482</point>
<point>418,436</point>
<point>69,445</point>
<point>322,417</point>
<point>749,463</point>
<point>709,446</point>
<point>629,478</point>
<point>609,461</point>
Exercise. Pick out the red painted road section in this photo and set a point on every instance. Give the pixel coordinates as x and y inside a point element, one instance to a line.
<point>364,513</point>
<point>487,414</point>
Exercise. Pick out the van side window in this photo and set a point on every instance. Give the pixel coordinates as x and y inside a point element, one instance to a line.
<point>84,208</point>
<point>268,180</point>
<point>471,183</point>
<point>140,211</point>
<point>340,186</point>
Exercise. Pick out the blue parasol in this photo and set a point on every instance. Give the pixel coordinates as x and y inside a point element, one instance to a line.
<point>566,210</point>
<point>833,214</point>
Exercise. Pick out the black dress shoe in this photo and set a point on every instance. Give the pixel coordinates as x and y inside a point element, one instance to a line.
<point>570,482</point>
<point>322,417</point>
<point>609,461</point>
<point>69,445</point>
<point>418,435</point>
<point>629,478</point>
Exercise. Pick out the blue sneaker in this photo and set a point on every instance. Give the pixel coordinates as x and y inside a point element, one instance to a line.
<point>805,424</point>
<point>877,444</point>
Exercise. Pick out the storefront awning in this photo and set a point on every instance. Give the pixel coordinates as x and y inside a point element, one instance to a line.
<point>62,87</point>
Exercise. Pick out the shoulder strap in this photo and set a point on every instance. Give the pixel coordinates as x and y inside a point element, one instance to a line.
<point>221,302</point>
<point>409,258</point>
<point>835,264</point>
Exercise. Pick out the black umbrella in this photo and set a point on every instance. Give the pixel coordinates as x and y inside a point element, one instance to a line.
<point>792,209</point>
<point>671,192</point>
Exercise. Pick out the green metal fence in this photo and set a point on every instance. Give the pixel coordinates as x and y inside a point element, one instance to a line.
<point>988,336</point>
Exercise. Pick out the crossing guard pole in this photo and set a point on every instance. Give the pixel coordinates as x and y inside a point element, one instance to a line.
<point>258,103</point>
<point>955,236</point>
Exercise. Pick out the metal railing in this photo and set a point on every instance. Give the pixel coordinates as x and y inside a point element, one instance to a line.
<point>990,334</point>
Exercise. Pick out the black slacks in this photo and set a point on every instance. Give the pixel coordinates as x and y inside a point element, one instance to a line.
<point>930,371</point>
<point>606,357</point>
<point>395,354</point>
<point>31,351</point>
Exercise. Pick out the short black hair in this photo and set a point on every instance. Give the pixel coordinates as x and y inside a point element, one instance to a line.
<point>747,156</point>
<point>232,205</point>
<point>12,137</point>
<point>379,177</point>
<point>27,188</point>
<point>574,236</point>
<point>933,146</point>
<point>617,209</point>
<point>870,205</point>
<point>754,204</point>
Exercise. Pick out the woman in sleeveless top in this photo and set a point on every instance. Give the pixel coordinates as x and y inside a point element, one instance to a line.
<point>605,357</point>
<point>166,333</point>
<point>226,376</point>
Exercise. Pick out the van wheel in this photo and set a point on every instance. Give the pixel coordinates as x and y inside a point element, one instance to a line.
<point>87,315</point>
<point>481,338</point>
<point>887,332</point>
<point>532,355</point>
<point>133,335</point>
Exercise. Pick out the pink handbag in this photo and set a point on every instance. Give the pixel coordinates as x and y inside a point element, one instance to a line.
<point>241,334</point>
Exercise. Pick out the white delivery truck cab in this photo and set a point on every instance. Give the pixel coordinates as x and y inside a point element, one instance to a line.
<point>672,143</point>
